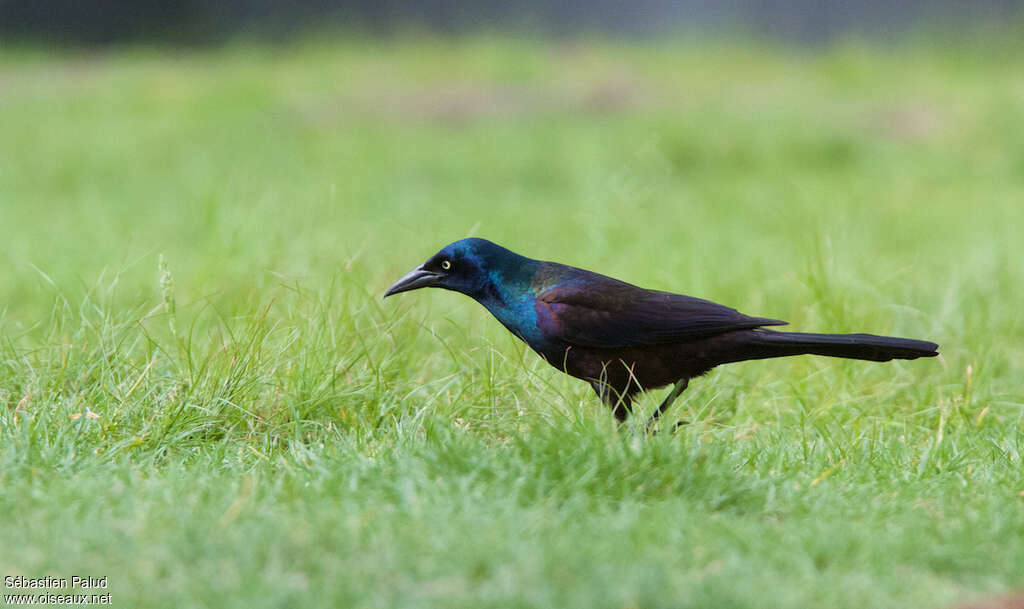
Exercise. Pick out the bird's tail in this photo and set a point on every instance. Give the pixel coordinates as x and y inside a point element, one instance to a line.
<point>770,343</point>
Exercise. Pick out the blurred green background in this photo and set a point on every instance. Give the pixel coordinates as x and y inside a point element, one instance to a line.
<point>247,423</point>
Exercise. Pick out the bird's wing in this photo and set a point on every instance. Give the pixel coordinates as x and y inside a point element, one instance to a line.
<point>604,312</point>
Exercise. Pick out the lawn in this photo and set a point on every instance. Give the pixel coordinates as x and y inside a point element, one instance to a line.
<point>204,397</point>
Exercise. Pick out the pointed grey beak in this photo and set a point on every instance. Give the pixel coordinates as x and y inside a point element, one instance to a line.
<point>413,280</point>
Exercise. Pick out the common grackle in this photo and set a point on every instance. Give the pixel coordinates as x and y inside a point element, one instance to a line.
<point>621,338</point>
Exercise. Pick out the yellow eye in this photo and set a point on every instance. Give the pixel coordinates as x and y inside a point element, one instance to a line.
<point>445,264</point>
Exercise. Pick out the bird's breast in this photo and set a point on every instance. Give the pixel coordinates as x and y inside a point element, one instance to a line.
<point>519,316</point>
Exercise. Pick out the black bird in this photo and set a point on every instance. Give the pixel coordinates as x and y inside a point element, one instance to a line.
<point>620,338</point>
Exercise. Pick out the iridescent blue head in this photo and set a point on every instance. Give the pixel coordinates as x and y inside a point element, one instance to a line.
<point>475,267</point>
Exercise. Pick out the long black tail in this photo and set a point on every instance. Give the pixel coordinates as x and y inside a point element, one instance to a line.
<point>769,343</point>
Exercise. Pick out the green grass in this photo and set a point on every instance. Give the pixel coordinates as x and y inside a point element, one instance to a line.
<point>204,397</point>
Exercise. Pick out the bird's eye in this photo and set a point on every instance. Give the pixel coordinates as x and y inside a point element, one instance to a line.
<point>446,264</point>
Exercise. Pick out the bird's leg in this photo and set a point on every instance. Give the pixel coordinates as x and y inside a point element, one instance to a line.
<point>620,403</point>
<point>621,408</point>
<point>677,389</point>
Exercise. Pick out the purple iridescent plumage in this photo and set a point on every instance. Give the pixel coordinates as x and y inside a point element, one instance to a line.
<point>619,337</point>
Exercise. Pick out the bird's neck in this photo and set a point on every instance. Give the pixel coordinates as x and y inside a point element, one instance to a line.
<point>509,295</point>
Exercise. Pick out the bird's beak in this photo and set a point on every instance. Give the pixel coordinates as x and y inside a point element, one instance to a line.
<point>417,278</point>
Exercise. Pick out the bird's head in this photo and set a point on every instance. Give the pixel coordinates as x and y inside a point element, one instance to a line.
<point>469,266</point>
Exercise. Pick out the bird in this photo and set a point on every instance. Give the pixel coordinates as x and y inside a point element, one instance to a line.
<point>621,338</point>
